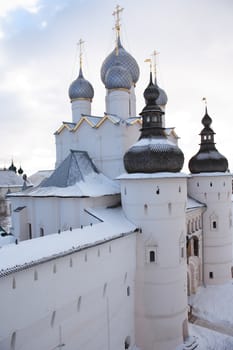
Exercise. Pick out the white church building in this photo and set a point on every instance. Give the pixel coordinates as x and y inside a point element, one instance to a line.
<point>109,246</point>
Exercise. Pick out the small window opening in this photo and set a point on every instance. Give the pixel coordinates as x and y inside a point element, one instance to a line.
<point>13,341</point>
<point>53,318</point>
<point>152,256</point>
<point>104,289</point>
<point>128,291</point>
<point>214,224</point>
<point>41,232</point>
<point>54,268</point>
<point>35,275</point>
<point>13,283</point>
<point>79,303</point>
<point>30,231</point>
<point>157,191</point>
<point>71,262</point>
<point>211,275</point>
<point>127,342</point>
<point>211,184</point>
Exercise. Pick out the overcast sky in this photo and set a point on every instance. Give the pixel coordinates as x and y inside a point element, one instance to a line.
<point>38,61</point>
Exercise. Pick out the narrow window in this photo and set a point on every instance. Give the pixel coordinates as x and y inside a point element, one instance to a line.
<point>79,303</point>
<point>53,318</point>
<point>128,291</point>
<point>35,275</point>
<point>104,289</point>
<point>127,342</point>
<point>211,275</point>
<point>152,256</point>
<point>13,283</point>
<point>54,268</point>
<point>30,231</point>
<point>13,341</point>
<point>214,224</point>
<point>71,262</point>
<point>41,232</point>
<point>157,191</point>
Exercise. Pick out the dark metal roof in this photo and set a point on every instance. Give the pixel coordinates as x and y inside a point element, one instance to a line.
<point>207,159</point>
<point>153,152</point>
<point>73,169</point>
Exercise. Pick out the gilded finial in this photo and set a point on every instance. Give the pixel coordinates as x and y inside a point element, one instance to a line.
<point>154,54</point>
<point>80,43</point>
<point>117,27</point>
<point>204,99</point>
<point>150,61</point>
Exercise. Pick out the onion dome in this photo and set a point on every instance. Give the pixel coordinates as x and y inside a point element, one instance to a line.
<point>12,167</point>
<point>153,152</point>
<point>162,99</point>
<point>120,55</point>
<point>20,170</point>
<point>81,88</point>
<point>207,159</point>
<point>117,77</point>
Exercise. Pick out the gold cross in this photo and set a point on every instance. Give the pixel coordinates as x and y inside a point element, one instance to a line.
<point>154,54</point>
<point>80,43</point>
<point>116,14</point>
<point>150,61</point>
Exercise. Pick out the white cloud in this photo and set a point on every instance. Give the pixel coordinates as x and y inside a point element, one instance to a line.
<point>31,6</point>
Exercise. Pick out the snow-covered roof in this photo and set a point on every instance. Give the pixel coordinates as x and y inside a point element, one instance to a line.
<point>9,178</point>
<point>162,175</point>
<point>193,204</point>
<point>39,176</point>
<point>27,253</point>
<point>76,176</point>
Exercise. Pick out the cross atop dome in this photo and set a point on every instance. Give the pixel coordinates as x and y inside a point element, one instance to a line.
<point>154,56</point>
<point>80,43</point>
<point>116,14</point>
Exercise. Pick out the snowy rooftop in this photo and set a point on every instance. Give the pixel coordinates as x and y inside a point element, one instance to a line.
<point>31,252</point>
<point>9,178</point>
<point>193,204</point>
<point>39,176</point>
<point>76,176</point>
<point>151,175</point>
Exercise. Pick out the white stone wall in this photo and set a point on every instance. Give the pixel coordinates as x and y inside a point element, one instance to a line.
<point>215,191</point>
<point>84,300</point>
<point>111,142</point>
<point>157,206</point>
<point>48,215</point>
<point>79,107</point>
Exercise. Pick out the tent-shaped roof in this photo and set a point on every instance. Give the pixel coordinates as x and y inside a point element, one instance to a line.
<point>76,176</point>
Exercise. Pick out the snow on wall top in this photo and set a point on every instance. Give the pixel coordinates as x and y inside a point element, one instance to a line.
<point>15,257</point>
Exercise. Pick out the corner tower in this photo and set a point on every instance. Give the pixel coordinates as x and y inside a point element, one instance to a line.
<point>153,193</point>
<point>211,183</point>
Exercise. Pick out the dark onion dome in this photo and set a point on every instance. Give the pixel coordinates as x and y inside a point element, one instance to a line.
<point>153,152</point>
<point>207,159</point>
<point>81,88</point>
<point>20,170</point>
<point>12,167</point>
<point>162,99</point>
<point>117,77</point>
<point>120,55</point>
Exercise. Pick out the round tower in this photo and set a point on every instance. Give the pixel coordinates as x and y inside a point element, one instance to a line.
<point>81,94</point>
<point>153,193</point>
<point>211,183</point>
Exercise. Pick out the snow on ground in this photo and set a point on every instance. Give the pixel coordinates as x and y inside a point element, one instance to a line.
<point>210,340</point>
<point>214,303</point>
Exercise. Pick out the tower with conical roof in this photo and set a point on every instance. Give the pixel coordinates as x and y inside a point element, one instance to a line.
<point>211,183</point>
<point>153,194</point>
<point>119,73</point>
<point>81,93</point>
